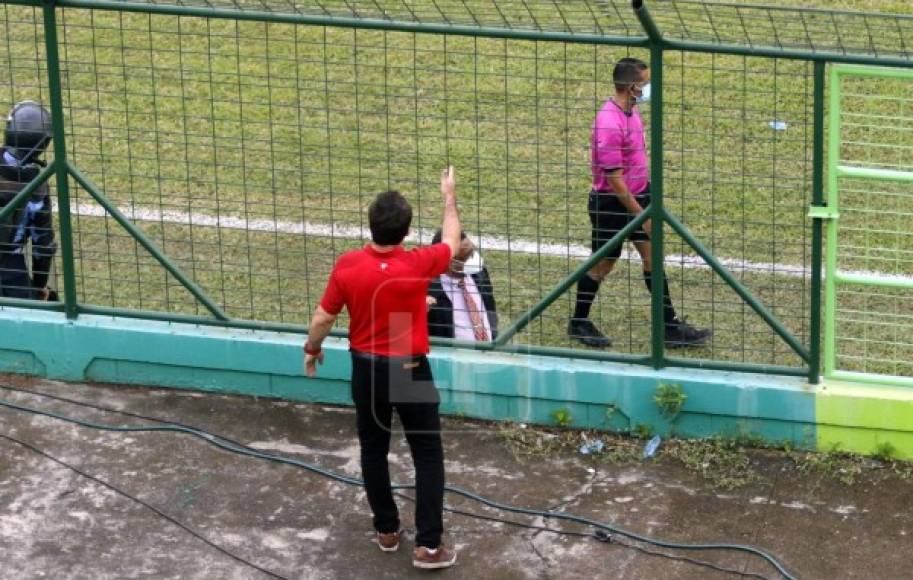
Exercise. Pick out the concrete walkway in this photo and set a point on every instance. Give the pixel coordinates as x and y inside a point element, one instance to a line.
<point>57,524</point>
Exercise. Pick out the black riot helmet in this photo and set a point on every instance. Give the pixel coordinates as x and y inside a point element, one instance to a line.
<point>28,131</point>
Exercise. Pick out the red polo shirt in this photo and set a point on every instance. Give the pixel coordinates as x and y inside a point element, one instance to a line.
<point>385,295</point>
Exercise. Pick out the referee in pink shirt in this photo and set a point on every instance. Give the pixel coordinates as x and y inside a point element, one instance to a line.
<point>621,191</point>
<point>383,286</point>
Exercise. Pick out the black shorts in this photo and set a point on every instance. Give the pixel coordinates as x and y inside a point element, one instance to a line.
<point>609,217</point>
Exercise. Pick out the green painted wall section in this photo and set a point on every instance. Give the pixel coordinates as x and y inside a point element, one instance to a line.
<point>489,386</point>
<point>865,419</point>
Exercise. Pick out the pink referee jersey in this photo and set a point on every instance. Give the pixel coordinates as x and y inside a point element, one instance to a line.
<point>617,142</point>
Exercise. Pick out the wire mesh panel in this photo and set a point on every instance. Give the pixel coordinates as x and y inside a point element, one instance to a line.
<point>23,66</point>
<point>26,236</point>
<point>873,243</point>
<point>786,27</point>
<point>738,152</point>
<point>177,144</point>
<point>249,151</point>
<point>584,17</point>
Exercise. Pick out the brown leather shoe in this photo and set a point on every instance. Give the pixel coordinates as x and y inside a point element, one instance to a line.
<point>388,542</point>
<point>427,559</point>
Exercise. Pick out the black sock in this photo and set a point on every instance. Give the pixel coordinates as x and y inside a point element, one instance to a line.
<point>668,309</point>
<point>586,293</point>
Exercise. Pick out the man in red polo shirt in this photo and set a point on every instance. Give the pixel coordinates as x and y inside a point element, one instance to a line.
<point>383,286</point>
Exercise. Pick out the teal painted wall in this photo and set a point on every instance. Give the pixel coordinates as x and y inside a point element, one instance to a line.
<point>489,386</point>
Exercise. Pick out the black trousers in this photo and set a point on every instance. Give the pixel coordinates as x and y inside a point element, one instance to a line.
<point>14,277</point>
<point>380,384</point>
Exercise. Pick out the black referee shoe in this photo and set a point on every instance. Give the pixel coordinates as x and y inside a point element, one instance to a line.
<point>585,331</point>
<point>680,334</point>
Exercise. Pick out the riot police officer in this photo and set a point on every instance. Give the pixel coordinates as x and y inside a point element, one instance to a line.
<point>27,135</point>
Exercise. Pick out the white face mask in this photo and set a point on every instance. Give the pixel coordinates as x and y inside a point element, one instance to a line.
<point>473,264</point>
<point>644,95</point>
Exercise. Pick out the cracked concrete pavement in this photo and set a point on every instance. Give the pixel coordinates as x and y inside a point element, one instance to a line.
<point>55,523</point>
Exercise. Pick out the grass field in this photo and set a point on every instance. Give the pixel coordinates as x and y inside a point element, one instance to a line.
<point>291,123</point>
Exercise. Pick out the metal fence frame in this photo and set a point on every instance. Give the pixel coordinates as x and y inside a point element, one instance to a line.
<point>837,171</point>
<point>653,40</point>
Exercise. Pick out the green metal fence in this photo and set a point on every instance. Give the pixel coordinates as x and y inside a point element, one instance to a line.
<point>214,158</point>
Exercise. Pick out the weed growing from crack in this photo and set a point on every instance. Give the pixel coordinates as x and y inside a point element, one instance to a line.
<point>670,399</point>
<point>722,462</point>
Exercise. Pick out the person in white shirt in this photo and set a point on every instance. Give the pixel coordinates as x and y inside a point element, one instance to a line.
<point>461,301</point>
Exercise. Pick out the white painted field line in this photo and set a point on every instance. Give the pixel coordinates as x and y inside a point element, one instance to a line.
<point>486,242</point>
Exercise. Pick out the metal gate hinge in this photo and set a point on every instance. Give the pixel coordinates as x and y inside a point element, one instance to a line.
<point>823,212</point>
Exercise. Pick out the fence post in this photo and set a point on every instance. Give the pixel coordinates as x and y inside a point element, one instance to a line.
<point>657,208</point>
<point>833,205</point>
<point>71,308</point>
<point>814,359</point>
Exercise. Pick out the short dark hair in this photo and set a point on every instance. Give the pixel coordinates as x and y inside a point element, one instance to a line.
<point>389,217</point>
<point>627,71</point>
<point>438,236</point>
